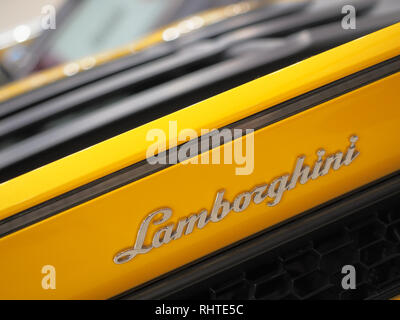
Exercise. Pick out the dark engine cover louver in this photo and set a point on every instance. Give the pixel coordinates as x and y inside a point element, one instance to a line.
<point>303,259</point>
<point>69,115</point>
<point>310,268</point>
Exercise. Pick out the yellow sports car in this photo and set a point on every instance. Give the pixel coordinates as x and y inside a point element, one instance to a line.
<point>250,151</point>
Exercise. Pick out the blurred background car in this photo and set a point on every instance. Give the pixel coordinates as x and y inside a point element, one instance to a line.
<point>83,28</point>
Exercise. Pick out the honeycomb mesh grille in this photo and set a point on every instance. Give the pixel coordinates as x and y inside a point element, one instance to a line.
<point>310,267</point>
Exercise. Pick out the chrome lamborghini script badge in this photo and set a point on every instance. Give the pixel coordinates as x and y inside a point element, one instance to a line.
<point>270,193</point>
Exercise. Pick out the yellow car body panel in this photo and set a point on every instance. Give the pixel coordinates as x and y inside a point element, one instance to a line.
<point>116,153</point>
<point>82,241</point>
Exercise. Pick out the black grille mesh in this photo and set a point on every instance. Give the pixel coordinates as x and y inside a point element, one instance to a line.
<point>310,267</point>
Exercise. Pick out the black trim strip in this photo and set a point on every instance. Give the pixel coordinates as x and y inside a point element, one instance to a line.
<point>269,239</point>
<point>388,294</point>
<point>142,169</point>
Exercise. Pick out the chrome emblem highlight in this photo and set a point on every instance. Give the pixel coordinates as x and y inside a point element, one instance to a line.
<point>271,193</point>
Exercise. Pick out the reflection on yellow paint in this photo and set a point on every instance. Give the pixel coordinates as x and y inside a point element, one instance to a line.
<point>82,241</point>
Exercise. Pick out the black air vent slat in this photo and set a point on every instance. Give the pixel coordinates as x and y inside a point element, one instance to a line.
<point>63,86</point>
<point>243,63</point>
<point>181,76</point>
<point>316,273</point>
<point>147,75</point>
<point>303,258</point>
<point>83,78</point>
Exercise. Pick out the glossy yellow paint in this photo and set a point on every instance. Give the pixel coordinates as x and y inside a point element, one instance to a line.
<point>81,168</point>
<point>81,242</point>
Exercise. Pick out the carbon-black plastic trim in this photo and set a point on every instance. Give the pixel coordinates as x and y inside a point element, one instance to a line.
<point>269,239</point>
<point>142,169</point>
